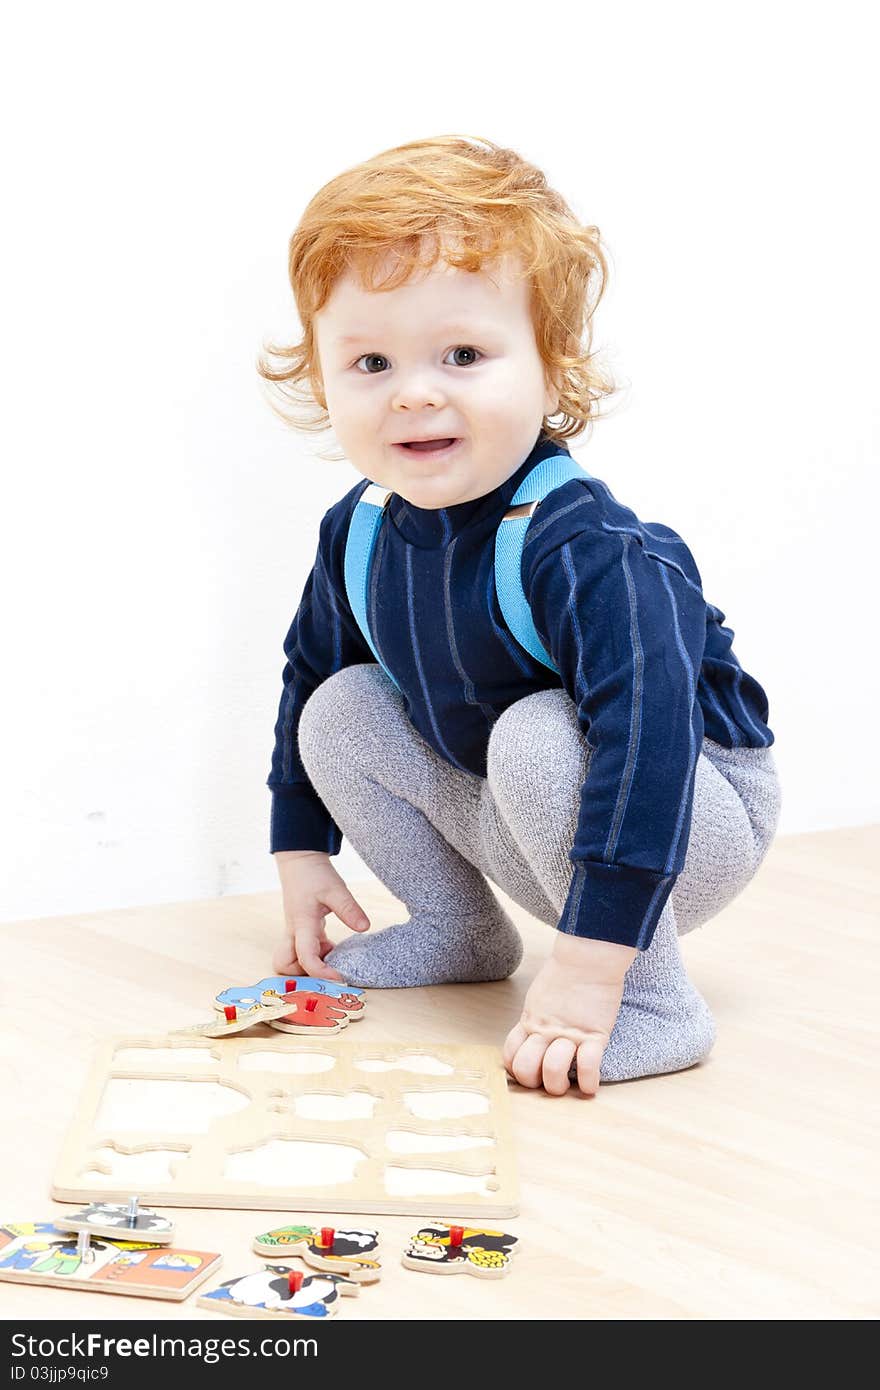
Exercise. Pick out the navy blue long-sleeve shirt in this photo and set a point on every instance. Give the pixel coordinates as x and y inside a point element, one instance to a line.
<point>619,606</point>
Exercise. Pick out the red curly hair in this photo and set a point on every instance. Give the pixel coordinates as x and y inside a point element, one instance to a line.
<point>468,201</point>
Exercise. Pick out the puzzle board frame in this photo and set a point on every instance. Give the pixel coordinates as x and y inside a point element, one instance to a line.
<point>198,1179</point>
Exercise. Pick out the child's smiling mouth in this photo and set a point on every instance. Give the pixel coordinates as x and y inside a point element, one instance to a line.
<point>428,447</point>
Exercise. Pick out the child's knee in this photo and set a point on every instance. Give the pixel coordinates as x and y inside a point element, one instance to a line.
<point>537,741</point>
<point>342,704</point>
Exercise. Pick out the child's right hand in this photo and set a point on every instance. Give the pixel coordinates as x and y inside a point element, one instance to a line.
<point>310,888</point>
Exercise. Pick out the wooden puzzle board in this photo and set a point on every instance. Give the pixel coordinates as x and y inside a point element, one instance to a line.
<point>285,1122</point>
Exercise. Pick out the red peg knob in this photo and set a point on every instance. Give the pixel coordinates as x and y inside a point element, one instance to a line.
<point>289,986</point>
<point>311,1005</point>
<point>456,1235</point>
<point>294,1281</point>
<point>328,1235</point>
<point>230,1012</point>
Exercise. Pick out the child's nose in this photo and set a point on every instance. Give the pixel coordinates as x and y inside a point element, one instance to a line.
<point>415,389</point>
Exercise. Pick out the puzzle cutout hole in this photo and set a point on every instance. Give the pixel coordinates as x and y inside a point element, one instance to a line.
<point>445,1105</point>
<point>403,1141</point>
<point>295,1063</point>
<point>183,1059</point>
<point>140,1170</point>
<point>428,1066</point>
<point>164,1107</point>
<point>410,1182</point>
<point>295,1163</point>
<point>356,1105</point>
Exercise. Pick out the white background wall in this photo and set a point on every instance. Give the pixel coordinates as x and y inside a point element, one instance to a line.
<point>159,522</point>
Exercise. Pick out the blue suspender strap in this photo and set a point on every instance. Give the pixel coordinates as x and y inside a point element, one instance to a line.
<point>362,532</point>
<point>509,539</point>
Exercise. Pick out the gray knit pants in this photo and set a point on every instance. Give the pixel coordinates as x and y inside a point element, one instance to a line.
<point>434,835</point>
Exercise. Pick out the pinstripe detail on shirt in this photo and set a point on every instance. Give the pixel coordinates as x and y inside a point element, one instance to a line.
<point>712,699</point>
<point>537,527</point>
<point>375,572</point>
<point>510,644</point>
<point>646,930</point>
<point>661,559</point>
<point>692,742</point>
<point>414,641</point>
<point>737,680</point>
<point>470,693</point>
<point>635,721</point>
<point>335,631</point>
<point>292,692</point>
<point>570,919</point>
<point>290,701</point>
<point>568,566</point>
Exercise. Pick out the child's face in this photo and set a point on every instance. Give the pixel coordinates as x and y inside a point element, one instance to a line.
<point>450,354</point>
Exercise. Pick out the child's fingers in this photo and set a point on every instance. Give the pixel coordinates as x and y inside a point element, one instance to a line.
<point>589,1059</point>
<point>512,1043</point>
<point>527,1065</point>
<point>284,960</point>
<point>348,910</point>
<point>554,1069</point>
<point>307,949</point>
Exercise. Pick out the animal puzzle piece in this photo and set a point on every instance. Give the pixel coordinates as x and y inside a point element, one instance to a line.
<point>33,1252</point>
<point>317,1013</point>
<point>441,1248</point>
<point>351,1252</point>
<point>119,1219</point>
<point>236,1019</point>
<point>283,984</point>
<point>281,1002</point>
<point>279,1291</point>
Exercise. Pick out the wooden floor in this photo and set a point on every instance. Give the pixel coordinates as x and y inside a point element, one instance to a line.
<point>745,1188</point>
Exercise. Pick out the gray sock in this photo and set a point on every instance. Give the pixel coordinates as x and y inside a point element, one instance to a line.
<point>664,1024</point>
<point>431,951</point>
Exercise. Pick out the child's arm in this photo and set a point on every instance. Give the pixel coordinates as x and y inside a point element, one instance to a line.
<point>323,638</point>
<point>568,1015</point>
<point>627,632</point>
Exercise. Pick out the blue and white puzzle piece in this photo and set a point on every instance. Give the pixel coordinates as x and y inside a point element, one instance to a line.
<point>244,996</point>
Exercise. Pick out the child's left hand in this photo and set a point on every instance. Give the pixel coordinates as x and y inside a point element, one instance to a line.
<point>568,1015</point>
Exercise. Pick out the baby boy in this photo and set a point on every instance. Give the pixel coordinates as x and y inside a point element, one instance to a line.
<point>613,776</point>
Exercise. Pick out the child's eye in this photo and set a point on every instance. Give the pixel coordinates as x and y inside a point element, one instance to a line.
<point>475,354</point>
<point>370,357</point>
<point>373,357</point>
